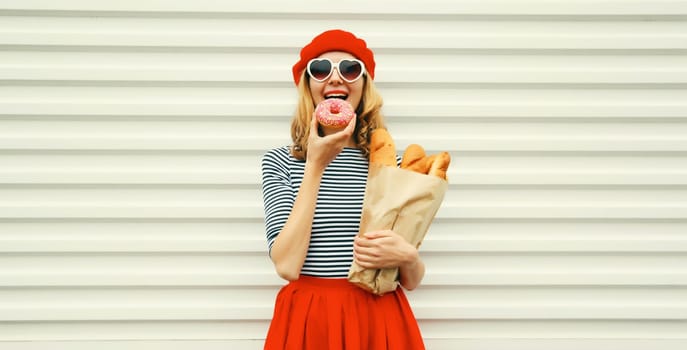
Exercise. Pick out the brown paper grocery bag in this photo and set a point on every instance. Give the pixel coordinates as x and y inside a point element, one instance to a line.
<point>403,201</point>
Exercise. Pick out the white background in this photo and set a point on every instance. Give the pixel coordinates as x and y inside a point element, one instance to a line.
<point>131,134</point>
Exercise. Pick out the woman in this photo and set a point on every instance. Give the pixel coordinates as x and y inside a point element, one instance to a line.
<point>313,194</point>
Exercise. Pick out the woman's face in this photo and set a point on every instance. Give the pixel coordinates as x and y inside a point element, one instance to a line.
<point>335,86</point>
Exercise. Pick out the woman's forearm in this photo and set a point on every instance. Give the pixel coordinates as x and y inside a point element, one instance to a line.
<point>412,272</point>
<point>291,245</point>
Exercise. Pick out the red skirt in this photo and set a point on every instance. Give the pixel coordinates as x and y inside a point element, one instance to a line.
<point>314,313</point>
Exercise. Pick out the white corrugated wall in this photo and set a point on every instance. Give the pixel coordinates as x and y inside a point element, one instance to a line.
<point>131,134</point>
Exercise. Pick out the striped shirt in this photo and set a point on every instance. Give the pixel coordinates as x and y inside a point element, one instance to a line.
<point>337,213</point>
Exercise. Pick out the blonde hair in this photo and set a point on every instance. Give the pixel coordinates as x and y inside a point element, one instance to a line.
<point>369,117</point>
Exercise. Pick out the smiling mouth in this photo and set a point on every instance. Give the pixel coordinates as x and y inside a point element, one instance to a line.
<point>339,96</point>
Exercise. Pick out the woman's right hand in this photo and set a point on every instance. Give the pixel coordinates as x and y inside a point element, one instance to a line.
<point>323,149</point>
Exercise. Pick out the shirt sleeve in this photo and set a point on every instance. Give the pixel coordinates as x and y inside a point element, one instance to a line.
<point>277,191</point>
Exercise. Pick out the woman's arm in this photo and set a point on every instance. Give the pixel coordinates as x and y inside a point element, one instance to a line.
<point>383,249</point>
<point>291,245</point>
<point>290,248</point>
<point>412,272</point>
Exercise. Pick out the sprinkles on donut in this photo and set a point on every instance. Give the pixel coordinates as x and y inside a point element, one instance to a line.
<point>334,112</point>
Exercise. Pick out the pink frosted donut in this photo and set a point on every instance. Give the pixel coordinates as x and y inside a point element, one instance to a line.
<point>334,112</point>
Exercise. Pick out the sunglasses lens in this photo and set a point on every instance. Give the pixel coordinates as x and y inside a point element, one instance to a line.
<point>320,69</point>
<point>350,70</point>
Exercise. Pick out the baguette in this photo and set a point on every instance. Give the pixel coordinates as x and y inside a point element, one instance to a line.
<point>439,164</point>
<point>415,159</point>
<point>382,148</point>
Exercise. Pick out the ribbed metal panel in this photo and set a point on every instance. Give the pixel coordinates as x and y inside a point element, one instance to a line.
<point>131,134</point>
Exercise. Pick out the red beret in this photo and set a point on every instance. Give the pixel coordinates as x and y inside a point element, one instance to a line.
<point>335,40</point>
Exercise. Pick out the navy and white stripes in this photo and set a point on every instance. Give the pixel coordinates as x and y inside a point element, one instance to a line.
<point>338,210</point>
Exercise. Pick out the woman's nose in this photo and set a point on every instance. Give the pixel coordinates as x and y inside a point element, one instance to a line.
<point>335,77</point>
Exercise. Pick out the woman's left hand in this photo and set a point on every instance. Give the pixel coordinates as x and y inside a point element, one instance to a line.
<point>382,249</point>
